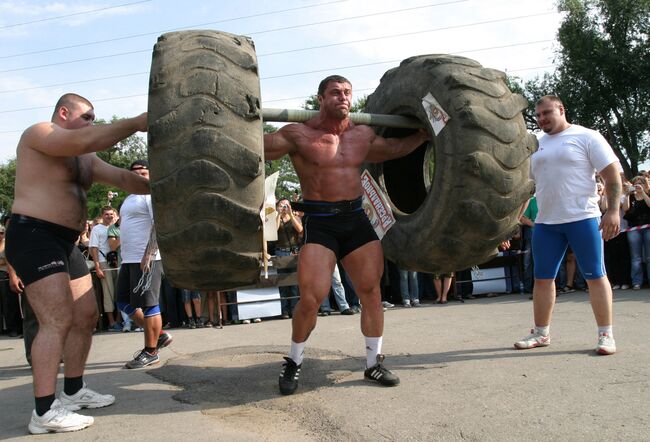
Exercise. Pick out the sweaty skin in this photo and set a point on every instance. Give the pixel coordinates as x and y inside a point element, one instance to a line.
<point>327,152</point>
<point>56,165</point>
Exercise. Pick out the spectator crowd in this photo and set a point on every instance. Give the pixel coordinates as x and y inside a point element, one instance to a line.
<point>627,260</point>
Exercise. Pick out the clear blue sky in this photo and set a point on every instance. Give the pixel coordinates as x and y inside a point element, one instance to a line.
<point>102,49</point>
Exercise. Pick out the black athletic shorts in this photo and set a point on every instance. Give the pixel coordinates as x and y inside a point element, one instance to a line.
<point>128,279</point>
<point>342,233</point>
<point>37,249</point>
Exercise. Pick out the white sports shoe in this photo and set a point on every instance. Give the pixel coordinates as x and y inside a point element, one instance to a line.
<point>533,340</point>
<point>606,345</point>
<point>85,398</point>
<point>58,420</point>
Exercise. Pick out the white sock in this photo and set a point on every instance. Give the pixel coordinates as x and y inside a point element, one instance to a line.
<point>542,330</point>
<point>373,348</point>
<point>607,329</point>
<point>297,352</point>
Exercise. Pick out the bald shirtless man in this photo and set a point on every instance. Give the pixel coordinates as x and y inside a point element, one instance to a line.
<point>327,152</point>
<point>55,166</point>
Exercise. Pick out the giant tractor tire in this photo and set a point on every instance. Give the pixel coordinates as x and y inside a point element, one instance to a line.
<point>456,197</point>
<point>206,158</point>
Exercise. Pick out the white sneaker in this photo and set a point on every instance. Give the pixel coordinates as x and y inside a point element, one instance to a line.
<point>533,340</point>
<point>58,420</point>
<point>406,304</point>
<point>606,345</point>
<point>415,303</point>
<point>257,320</point>
<point>387,304</point>
<point>616,287</point>
<point>625,287</point>
<point>85,398</point>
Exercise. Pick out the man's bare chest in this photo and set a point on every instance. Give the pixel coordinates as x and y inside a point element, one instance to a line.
<point>77,170</point>
<point>330,150</point>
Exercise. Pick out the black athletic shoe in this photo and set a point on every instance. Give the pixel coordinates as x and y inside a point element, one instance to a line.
<point>143,359</point>
<point>381,374</point>
<point>289,376</point>
<point>164,340</point>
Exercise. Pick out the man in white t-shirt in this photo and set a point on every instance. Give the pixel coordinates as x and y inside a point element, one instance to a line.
<point>140,301</point>
<point>99,248</point>
<point>564,169</point>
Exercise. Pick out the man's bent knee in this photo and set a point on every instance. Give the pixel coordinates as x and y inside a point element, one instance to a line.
<point>308,305</point>
<point>86,320</point>
<point>58,325</point>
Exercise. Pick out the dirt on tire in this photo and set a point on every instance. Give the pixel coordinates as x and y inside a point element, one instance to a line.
<point>457,197</point>
<point>206,158</point>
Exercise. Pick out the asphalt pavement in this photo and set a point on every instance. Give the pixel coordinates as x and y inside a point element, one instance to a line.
<point>461,379</point>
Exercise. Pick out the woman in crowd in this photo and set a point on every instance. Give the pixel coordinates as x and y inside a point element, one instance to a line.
<point>442,283</point>
<point>637,213</point>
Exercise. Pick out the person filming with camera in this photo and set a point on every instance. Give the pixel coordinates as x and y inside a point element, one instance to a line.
<point>637,213</point>
<point>289,238</point>
<point>289,228</point>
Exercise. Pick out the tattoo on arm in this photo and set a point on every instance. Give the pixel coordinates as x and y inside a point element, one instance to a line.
<point>613,192</point>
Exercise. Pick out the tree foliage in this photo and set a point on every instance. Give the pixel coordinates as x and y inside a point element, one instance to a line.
<point>603,73</point>
<point>7,181</point>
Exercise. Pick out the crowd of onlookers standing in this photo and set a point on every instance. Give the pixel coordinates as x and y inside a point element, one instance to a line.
<point>625,256</point>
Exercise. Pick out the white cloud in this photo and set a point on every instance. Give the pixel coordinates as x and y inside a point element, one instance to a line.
<point>24,18</point>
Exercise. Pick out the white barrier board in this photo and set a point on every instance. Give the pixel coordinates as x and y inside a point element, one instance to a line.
<point>482,287</point>
<point>270,307</point>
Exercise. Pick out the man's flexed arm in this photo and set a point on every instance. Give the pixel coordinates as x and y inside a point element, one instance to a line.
<point>384,149</point>
<point>279,143</point>
<point>56,141</point>
<point>106,173</point>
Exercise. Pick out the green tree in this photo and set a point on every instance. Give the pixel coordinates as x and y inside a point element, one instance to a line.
<point>7,181</point>
<point>603,65</point>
